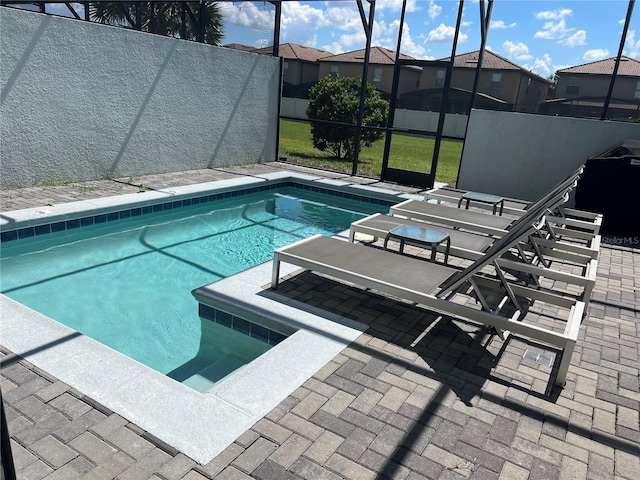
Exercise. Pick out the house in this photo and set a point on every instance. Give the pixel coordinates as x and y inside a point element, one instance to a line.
<point>581,90</point>
<point>503,85</point>
<point>300,69</point>
<point>381,69</point>
<point>240,46</point>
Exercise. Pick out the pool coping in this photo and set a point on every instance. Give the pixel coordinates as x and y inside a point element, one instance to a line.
<point>14,219</point>
<point>200,425</point>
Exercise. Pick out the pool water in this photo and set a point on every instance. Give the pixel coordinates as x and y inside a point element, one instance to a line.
<point>128,283</point>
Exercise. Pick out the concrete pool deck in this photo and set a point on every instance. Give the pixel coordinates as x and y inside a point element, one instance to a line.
<point>401,401</point>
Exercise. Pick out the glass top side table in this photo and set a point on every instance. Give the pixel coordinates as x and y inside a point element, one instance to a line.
<point>421,236</point>
<point>487,198</point>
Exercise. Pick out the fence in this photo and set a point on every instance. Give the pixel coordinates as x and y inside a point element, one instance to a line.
<point>455,125</point>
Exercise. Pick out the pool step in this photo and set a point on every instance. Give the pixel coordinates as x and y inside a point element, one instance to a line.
<point>208,376</point>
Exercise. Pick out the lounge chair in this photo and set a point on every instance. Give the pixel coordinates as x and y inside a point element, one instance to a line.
<point>433,284</point>
<point>538,251</point>
<point>428,284</point>
<point>471,233</point>
<point>468,220</point>
<point>472,245</point>
<point>468,245</point>
<point>511,206</point>
<point>536,255</point>
<point>514,207</point>
<point>561,221</point>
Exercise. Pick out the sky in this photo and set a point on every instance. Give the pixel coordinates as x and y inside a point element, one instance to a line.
<point>540,35</point>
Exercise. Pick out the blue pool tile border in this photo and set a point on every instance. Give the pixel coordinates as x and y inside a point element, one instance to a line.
<point>241,325</point>
<point>89,220</point>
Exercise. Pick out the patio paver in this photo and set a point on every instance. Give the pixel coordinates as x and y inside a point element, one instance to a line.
<point>413,397</point>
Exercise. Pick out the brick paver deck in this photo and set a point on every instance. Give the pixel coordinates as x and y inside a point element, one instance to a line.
<point>416,396</point>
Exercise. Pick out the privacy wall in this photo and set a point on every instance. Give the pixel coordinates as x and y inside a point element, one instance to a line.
<point>83,101</point>
<point>521,155</point>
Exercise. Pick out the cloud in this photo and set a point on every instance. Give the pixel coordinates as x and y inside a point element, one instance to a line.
<point>595,54</point>
<point>632,46</point>
<point>562,67</point>
<point>554,14</point>
<point>434,9</point>
<point>499,25</point>
<point>442,33</point>
<point>396,5</point>
<point>554,30</point>
<point>341,18</point>
<point>248,15</point>
<point>299,23</point>
<point>541,66</point>
<point>518,50</point>
<point>408,46</point>
<point>556,27</point>
<point>334,48</point>
<point>577,39</point>
<point>351,41</point>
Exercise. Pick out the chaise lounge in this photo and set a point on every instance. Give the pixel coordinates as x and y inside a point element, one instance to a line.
<point>510,206</point>
<point>561,221</point>
<point>434,285</point>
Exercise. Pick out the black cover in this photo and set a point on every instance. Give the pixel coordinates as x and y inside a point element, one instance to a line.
<point>610,184</point>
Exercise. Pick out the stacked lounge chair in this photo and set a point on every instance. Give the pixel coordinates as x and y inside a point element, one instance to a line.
<point>434,285</point>
<point>561,221</point>
<point>512,206</point>
<point>577,243</point>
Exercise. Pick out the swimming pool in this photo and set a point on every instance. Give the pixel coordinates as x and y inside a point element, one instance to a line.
<point>201,425</point>
<point>126,279</point>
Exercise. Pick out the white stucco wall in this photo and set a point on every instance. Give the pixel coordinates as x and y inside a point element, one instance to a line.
<point>521,155</point>
<point>82,101</point>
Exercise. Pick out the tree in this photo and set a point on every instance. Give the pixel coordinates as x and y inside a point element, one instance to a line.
<point>174,19</point>
<point>337,99</point>
<point>551,92</point>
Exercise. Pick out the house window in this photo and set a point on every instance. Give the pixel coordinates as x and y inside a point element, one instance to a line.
<point>285,70</point>
<point>496,80</point>
<point>333,71</point>
<point>377,75</point>
<point>440,78</point>
<point>573,88</point>
<point>637,94</point>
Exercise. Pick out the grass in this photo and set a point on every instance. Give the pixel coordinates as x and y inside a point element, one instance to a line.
<point>55,180</point>
<point>407,152</point>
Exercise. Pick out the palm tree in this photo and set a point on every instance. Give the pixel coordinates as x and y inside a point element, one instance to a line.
<point>199,21</point>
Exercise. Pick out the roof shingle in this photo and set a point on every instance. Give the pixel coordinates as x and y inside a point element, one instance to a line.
<point>490,61</point>
<point>377,55</point>
<point>294,51</point>
<point>628,67</point>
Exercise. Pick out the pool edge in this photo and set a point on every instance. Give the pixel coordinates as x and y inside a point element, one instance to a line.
<point>136,390</point>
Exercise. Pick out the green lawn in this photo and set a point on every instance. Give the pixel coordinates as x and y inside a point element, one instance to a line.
<point>407,153</point>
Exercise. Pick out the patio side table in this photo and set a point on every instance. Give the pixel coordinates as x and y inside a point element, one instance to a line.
<point>421,236</point>
<point>494,200</point>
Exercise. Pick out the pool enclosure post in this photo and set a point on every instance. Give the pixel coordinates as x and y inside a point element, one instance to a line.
<point>394,96</point>
<point>614,74</point>
<point>6,457</point>
<point>367,24</point>
<point>445,96</point>
<point>485,19</point>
